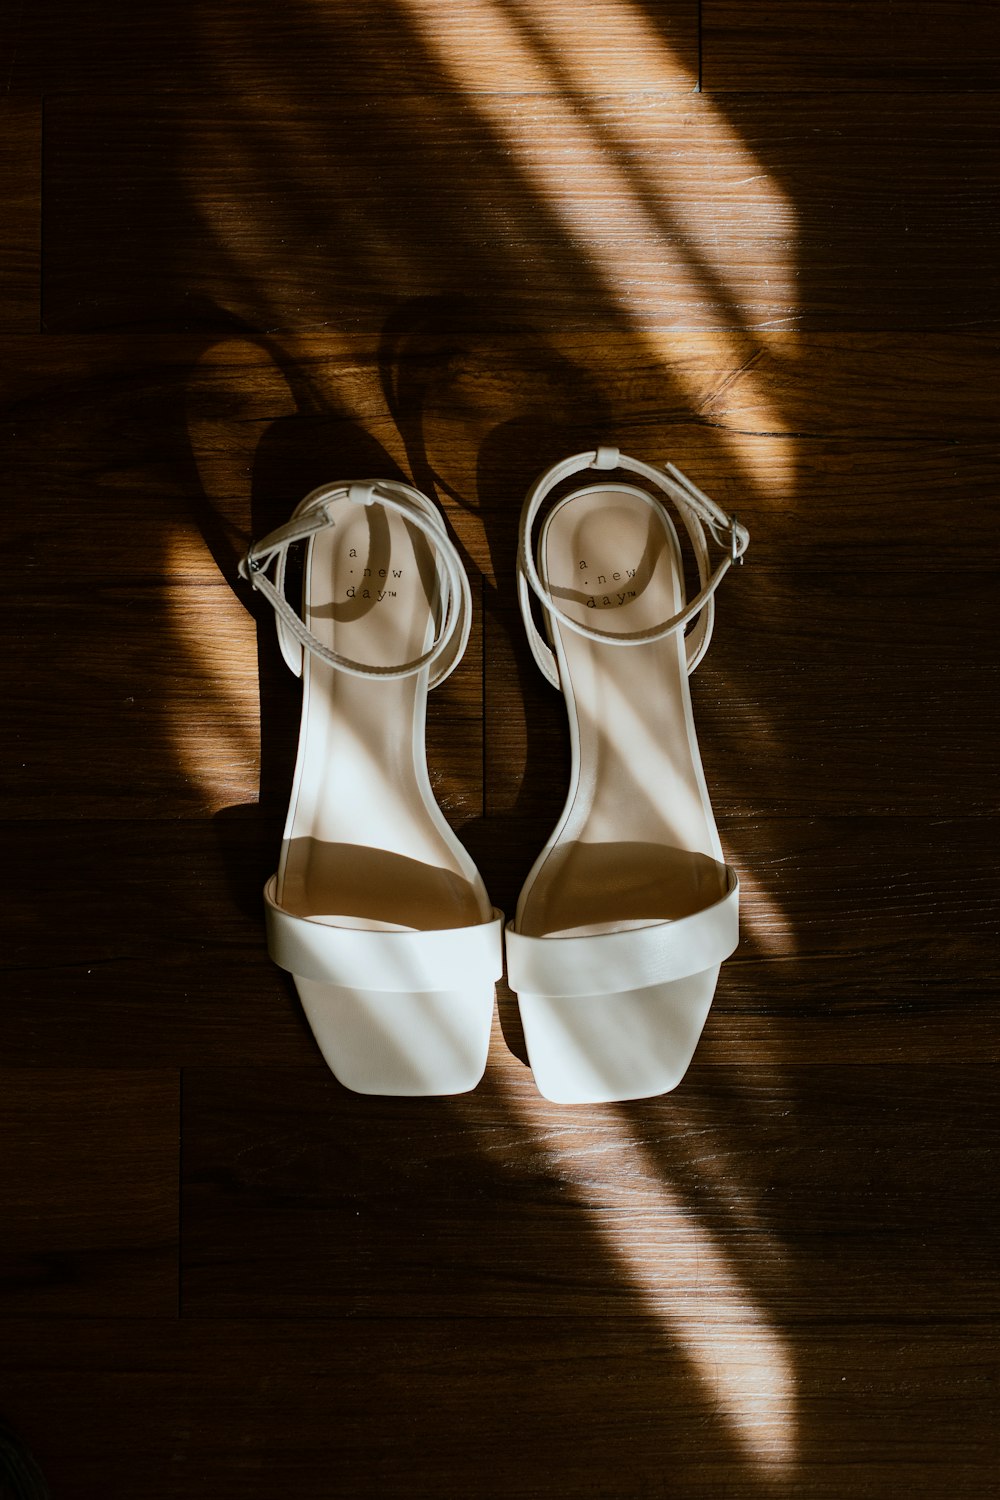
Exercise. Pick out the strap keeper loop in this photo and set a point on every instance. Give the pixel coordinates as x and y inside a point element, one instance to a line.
<point>734,540</point>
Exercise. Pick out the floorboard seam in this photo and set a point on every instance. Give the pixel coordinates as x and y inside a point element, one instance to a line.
<point>180,1193</point>
<point>41,215</point>
<point>701,83</point>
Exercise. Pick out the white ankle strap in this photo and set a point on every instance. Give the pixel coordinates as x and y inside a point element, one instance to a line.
<point>696,511</point>
<point>312,516</point>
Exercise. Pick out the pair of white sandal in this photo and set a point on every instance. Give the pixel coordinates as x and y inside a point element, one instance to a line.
<point>378,911</point>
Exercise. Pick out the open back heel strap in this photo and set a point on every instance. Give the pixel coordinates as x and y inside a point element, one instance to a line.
<point>313,515</point>
<point>696,510</point>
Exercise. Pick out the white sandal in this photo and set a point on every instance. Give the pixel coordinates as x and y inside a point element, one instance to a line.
<point>629,909</point>
<point>376,909</point>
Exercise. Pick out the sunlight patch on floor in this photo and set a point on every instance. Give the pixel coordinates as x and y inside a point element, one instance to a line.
<point>210,687</point>
<point>643,217</point>
<point>765,918</point>
<point>681,1275</point>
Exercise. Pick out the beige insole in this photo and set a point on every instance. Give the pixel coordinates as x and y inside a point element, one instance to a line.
<point>638,842</point>
<point>365,841</point>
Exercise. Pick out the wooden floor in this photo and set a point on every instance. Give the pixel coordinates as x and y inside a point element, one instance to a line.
<point>249,248</point>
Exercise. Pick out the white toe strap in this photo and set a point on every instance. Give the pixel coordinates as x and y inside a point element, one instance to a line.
<point>613,963</point>
<point>454,958</point>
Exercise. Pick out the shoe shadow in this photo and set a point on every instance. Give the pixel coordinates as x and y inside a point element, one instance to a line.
<point>483,404</point>
<point>310,446</point>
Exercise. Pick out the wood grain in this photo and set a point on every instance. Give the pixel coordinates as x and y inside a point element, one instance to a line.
<point>812,681</point>
<point>145,703</point>
<point>156,460</point>
<point>454,241</point>
<point>456,1407</point>
<point>128,644</point>
<point>20,234</point>
<point>500,1203</point>
<point>861,937</point>
<point>868,938</point>
<point>88,1180</point>
<point>859,447</point>
<point>849,45</point>
<point>652,212</point>
<point>868,449</point>
<point>235,50</point>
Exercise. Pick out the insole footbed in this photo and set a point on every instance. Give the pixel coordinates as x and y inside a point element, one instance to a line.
<point>639,843</point>
<point>363,843</point>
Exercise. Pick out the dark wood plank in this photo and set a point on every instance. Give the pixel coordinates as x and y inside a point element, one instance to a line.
<point>868,939</point>
<point>652,211</point>
<point>778,700</point>
<point>159,956</point>
<point>867,505</point>
<point>88,1179</point>
<point>813,681</point>
<point>503,1408</point>
<point>133,701</point>
<point>144,702</point>
<point>155,460</point>
<point>862,938</point>
<point>20,230</point>
<point>875,449</point>
<point>502,1204</point>
<point>849,45</point>
<point>233,50</point>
